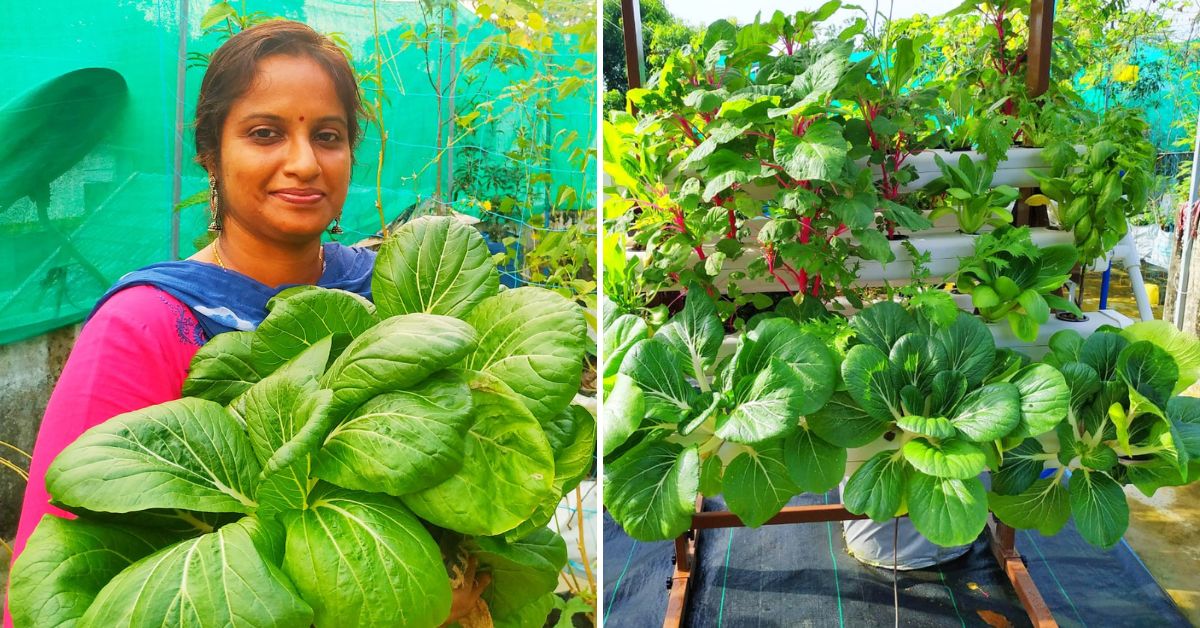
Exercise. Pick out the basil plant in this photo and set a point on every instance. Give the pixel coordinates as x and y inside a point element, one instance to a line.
<point>1125,425</point>
<point>320,468</point>
<point>944,400</point>
<point>679,422</point>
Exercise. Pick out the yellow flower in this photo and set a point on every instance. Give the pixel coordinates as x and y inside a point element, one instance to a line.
<point>1125,74</point>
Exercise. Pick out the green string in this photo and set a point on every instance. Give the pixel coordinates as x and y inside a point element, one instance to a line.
<point>832,557</point>
<point>952,601</point>
<point>616,586</point>
<point>728,546</point>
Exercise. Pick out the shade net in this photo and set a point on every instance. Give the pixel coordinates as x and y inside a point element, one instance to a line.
<point>91,119</point>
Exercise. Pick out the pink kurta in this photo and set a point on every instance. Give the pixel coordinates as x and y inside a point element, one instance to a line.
<point>132,354</point>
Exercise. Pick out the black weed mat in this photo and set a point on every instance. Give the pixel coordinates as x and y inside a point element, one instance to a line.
<point>800,575</point>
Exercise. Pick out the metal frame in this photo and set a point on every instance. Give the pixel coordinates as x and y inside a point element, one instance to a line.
<point>1003,546</point>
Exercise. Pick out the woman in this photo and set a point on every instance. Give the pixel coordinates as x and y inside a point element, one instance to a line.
<point>276,125</point>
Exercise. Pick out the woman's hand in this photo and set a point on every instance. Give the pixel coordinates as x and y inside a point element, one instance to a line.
<point>465,597</point>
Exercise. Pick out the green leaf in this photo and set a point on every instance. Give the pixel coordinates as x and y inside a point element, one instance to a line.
<point>223,368</point>
<point>400,442</point>
<point>1100,351</point>
<point>919,358</point>
<point>1149,370</point>
<point>216,14</point>
<point>1184,348</point>
<point>572,436</point>
<point>809,359</point>
<point>983,297</point>
<point>189,454</point>
<point>949,458</point>
<point>522,571</point>
<point>970,348</point>
<point>768,407</point>
<point>300,317</point>
<point>845,424</point>
<point>533,340</point>
<point>218,579</point>
<point>711,474</point>
<point>433,265</point>
<point>275,409</point>
<point>507,472</point>
<point>814,465</point>
<point>949,388</point>
<point>1098,504</point>
<point>877,488</point>
<point>882,324</point>
<point>818,154</point>
<point>396,354</point>
<point>362,559</point>
<point>989,413</point>
<point>623,411</point>
<point>651,490</point>
<point>1083,383</point>
<point>694,334</point>
<point>756,484</point>
<point>1043,506</point>
<point>937,427</point>
<point>67,562</point>
<point>1020,469</point>
<point>619,336</point>
<point>652,367</point>
<point>1035,306</point>
<point>947,511</point>
<point>1044,399</point>
<point>872,382</point>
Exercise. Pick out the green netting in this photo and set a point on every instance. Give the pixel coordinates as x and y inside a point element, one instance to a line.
<point>88,180</point>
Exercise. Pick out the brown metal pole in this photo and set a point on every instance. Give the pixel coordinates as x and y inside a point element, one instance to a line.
<point>631,21</point>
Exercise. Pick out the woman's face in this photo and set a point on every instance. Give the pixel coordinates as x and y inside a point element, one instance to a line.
<point>284,164</point>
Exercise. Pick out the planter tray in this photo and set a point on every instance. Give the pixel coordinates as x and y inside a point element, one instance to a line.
<point>945,247</point>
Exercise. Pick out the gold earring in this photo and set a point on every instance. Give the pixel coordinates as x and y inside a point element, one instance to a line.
<point>214,204</point>
<point>337,227</point>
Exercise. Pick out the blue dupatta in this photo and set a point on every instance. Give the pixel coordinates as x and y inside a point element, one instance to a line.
<point>225,300</point>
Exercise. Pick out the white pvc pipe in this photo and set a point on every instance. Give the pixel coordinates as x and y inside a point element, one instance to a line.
<point>1185,261</point>
<point>1127,250</point>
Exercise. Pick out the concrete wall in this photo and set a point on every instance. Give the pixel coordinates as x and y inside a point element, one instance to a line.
<point>28,371</point>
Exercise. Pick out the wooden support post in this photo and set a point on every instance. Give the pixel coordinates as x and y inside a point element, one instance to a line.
<point>1004,546</point>
<point>681,580</point>
<point>635,59</point>
<point>1041,36</point>
<point>1037,81</point>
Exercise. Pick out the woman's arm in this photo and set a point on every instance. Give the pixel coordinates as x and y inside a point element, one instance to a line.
<point>132,354</point>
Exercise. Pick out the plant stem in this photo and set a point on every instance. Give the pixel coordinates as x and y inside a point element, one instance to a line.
<point>583,555</point>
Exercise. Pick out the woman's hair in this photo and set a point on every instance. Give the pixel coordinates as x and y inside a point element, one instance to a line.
<point>232,67</point>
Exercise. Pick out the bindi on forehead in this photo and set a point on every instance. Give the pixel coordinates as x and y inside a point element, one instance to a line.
<point>302,118</point>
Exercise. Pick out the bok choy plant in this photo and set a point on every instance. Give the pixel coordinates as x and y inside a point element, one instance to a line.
<point>678,423</point>
<point>944,399</point>
<point>320,469</point>
<point>1125,425</point>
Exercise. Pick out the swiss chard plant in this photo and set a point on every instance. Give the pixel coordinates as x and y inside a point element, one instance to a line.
<point>679,422</point>
<point>728,132</point>
<point>1125,424</point>
<point>943,400</point>
<point>323,469</point>
<point>971,199</point>
<point>1010,278</point>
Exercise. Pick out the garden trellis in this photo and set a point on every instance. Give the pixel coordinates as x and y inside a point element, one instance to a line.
<point>745,172</point>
